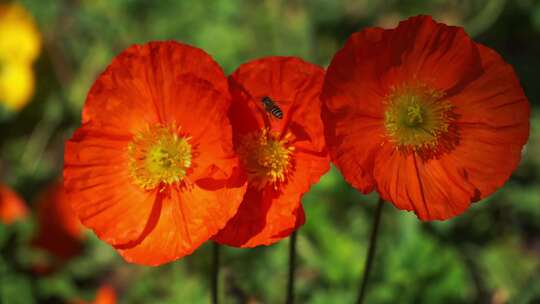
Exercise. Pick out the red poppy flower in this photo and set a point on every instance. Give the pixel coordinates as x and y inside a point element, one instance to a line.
<point>104,295</point>
<point>59,230</point>
<point>282,157</point>
<point>152,170</point>
<point>12,207</point>
<point>428,117</point>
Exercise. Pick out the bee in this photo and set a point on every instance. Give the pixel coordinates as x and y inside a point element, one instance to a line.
<point>271,107</point>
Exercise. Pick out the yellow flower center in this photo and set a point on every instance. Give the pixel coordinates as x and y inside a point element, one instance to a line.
<point>158,156</point>
<point>417,118</point>
<point>266,157</point>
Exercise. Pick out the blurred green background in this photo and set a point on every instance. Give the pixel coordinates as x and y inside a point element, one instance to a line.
<point>490,254</point>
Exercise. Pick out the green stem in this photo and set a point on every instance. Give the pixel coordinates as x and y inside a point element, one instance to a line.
<point>371,251</point>
<point>215,273</point>
<point>292,266</point>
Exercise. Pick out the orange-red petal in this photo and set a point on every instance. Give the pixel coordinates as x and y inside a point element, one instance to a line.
<point>423,187</point>
<point>272,213</point>
<point>12,206</point>
<point>203,116</point>
<point>143,78</point>
<point>59,230</point>
<point>184,219</point>
<point>441,56</point>
<point>491,122</point>
<point>104,295</point>
<point>269,215</point>
<point>100,188</point>
<point>157,84</point>
<point>293,84</point>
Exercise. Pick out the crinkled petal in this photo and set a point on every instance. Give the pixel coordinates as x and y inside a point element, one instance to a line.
<point>494,124</point>
<point>441,56</point>
<point>99,186</point>
<point>203,117</point>
<point>269,215</point>
<point>433,189</point>
<point>142,79</point>
<point>184,219</point>
<point>293,84</point>
<point>491,116</point>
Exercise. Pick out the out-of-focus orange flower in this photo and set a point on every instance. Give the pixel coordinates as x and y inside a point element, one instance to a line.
<point>104,295</point>
<point>428,117</point>
<point>12,206</point>
<point>152,170</point>
<point>59,231</point>
<point>282,157</point>
<point>20,43</point>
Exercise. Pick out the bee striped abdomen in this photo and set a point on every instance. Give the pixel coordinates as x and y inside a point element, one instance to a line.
<point>276,112</point>
<point>272,108</point>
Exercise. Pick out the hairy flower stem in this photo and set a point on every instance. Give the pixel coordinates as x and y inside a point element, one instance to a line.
<point>371,251</point>
<point>215,273</point>
<point>292,266</point>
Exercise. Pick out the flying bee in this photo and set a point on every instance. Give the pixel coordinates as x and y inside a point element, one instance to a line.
<point>271,107</point>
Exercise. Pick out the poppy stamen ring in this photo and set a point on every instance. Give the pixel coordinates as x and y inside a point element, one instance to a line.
<point>158,155</point>
<point>416,117</point>
<point>266,157</point>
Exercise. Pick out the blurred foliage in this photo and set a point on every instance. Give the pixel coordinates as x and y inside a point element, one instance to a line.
<point>491,254</point>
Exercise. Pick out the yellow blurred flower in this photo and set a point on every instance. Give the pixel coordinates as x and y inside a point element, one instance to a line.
<point>19,37</point>
<point>20,43</point>
<point>16,85</point>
